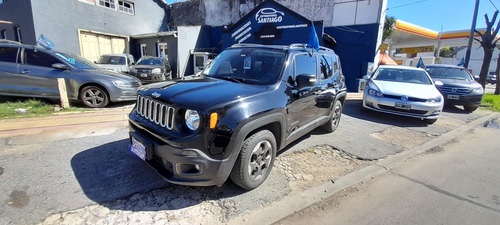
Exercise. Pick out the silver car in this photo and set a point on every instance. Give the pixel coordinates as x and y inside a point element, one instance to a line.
<point>405,91</point>
<point>31,71</point>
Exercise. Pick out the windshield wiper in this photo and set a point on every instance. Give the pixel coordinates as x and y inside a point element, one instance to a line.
<point>235,79</point>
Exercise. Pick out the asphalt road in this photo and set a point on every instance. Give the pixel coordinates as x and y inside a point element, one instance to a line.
<point>456,183</point>
<point>41,177</point>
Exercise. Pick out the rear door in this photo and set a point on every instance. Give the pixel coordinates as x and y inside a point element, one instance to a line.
<point>38,76</point>
<point>9,66</point>
<point>327,83</point>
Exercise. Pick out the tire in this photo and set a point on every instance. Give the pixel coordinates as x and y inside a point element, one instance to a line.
<point>94,97</point>
<point>430,121</point>
<point>333,122</point>
<point>255,160</point>
<point>470,108</point>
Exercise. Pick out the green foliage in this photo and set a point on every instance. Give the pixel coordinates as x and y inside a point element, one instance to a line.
<point>493,101</point>
<point>446,52</point>
<point>389,27</point>
<point>28,108</point>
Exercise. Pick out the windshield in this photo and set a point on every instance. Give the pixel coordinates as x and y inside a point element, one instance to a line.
<point>76,60</point>
<point>402,75</point>
<point>248,65</point>
<point>449,73</point>
<point>149,61</point>
<point>114,60</point>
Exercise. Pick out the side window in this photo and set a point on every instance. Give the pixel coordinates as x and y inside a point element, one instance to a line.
<point>326,66</point>
<point>8,54</point>
<point>38,58</point>
<point>305,64</point>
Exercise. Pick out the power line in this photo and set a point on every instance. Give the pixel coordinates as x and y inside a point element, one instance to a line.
<point>493,5</point>
<point>411,3</point>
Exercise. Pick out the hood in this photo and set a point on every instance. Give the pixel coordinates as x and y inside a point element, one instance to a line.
<point>455,82</point>
<point>103,74</point>
<point>146,66</point>
<point>199,94</point>
<point>112,67</point>
<point>411,90</point>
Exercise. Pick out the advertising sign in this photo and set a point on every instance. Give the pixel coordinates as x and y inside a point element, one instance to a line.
<point>270,23</point>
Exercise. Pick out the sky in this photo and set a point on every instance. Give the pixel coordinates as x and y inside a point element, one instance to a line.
<point>450,15</point>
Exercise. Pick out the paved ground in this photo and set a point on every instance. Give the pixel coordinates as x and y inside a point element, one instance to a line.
<point>453,183</point>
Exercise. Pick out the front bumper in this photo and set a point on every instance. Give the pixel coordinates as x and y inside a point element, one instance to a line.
<point>184,166</point>
<point>422,110</point>
<point>469,99</point>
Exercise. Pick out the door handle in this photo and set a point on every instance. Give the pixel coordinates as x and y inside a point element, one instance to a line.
<point>25,71</point>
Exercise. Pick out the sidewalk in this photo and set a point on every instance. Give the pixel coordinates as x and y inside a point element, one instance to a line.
<point>73,121</point>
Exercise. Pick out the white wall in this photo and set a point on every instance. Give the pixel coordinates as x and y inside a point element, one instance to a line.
<point>188,36</point>
<point>357,12</point>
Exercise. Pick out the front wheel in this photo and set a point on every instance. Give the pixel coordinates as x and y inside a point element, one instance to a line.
<point>333,122</point>
<point>255,160</point>
<point>94,97</point>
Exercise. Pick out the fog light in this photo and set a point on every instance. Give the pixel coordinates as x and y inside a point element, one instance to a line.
<point>188,169</point>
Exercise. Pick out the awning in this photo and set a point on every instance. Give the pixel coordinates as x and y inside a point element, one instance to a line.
<point>384,59</point>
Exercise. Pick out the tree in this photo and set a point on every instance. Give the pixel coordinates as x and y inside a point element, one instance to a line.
<point>389,27</point>
<point>488,42</point>
<point>447,52</point>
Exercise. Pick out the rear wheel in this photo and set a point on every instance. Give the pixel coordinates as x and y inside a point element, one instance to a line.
<point>255,160</point>
<point>334,121</point>
<point>94,97</point>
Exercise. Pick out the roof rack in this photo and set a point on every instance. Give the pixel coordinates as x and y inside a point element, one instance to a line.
<point>303,45</point>
<point>9,41</point>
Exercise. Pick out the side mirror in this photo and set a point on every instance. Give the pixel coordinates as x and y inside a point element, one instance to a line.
<point>438,83</point>
<point>60,66</point>
<point>305,80</point>
<point>366,77</point>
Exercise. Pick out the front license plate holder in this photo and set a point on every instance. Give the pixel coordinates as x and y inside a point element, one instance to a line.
<point>144,75</point>
<point>453,97</point>
<point>138,148</point>
<point>402,106</point>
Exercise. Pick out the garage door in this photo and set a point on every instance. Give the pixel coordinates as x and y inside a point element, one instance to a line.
<point>94,45</point>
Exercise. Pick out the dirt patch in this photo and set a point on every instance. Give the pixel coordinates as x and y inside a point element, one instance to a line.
<point>317,165</point>
<point>405,138</point>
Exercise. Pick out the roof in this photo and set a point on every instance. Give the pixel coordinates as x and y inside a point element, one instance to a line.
<point>159,34</point>
<point>399,67</point>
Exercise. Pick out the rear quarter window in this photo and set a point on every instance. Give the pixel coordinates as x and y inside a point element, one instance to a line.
<point>8,54</point>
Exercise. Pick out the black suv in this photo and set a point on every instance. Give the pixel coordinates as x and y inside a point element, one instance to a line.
<point>457,86</point>
<point>250,102</point>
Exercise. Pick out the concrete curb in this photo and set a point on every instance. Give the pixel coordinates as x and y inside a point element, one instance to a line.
<point>295,203</point>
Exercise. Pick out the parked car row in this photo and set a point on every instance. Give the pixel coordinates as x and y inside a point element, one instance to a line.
<point>420,93</point>
<point>32,71</point>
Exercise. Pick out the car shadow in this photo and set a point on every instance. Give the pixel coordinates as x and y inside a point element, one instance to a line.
<point>353,108</point>
<point>113,176</point>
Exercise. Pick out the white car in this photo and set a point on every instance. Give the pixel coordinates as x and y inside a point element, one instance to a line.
<point>119,63</point>
<point>405,91</point>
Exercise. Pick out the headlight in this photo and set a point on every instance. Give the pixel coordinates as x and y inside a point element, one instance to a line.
<point>122,84</point>
<point>156,71</point>
<point>192,119</point>
<point>434,100</point>
<point>477,89</point>
<point>375,93</point>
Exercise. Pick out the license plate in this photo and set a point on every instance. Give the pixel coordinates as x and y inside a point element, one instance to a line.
<point>453,97</point>
<point>403,106</point>
<point>144,75</point>
<point>138,149</point>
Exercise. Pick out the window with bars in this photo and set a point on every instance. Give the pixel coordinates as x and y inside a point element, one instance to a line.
<point>107,3</point>
<point>126,7</point>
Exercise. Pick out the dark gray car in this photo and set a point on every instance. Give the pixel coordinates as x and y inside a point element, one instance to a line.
<point>31,71</point>
<point>457,86</point>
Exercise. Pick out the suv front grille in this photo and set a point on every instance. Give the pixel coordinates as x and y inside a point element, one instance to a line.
<point>454,90</point>
<point>155,111</point>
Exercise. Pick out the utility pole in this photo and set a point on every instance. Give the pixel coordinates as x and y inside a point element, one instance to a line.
<point>471,35</point>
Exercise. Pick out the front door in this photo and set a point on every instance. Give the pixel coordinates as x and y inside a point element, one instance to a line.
<point>302,108</point>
